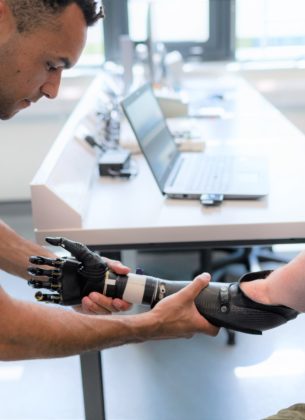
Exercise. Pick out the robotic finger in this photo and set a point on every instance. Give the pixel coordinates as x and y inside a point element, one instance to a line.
<point>51,274</point>
<point>48,298</point>
<point>63,278</point>
<point>37,284</point>
<point>77,249</point>
<point>53,262</point>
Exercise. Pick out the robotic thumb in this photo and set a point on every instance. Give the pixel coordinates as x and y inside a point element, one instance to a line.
<point>78,250</point>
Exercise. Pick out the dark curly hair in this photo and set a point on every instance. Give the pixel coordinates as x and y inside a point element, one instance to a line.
<point>30,14</point>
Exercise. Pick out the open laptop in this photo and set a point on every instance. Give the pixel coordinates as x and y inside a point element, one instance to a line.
<point>189,175</point>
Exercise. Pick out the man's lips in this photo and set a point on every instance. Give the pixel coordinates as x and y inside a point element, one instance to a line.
<point>25,103</point>
<point>32,101</point>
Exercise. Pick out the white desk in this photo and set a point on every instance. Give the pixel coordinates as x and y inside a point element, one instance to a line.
<point>69,199</point>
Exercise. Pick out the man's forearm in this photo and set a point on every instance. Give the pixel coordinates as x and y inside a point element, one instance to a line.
<point>30,331</point>
<point>284,286</point>
<point>34,331</point>
<point>15,251</point>
<point>287,284</point>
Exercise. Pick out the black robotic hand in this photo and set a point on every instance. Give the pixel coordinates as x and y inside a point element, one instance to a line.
<point>72,278</point>
<point>223,304</point>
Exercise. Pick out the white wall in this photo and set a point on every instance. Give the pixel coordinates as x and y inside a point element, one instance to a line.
<point>26,138</point>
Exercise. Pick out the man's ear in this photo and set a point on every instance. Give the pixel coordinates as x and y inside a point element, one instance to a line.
<point>7,22</point>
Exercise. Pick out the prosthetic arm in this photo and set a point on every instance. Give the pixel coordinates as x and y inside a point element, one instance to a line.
<point>222,304</point>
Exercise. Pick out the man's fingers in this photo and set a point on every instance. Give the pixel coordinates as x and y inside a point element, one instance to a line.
<point>96,306</point>
<point>199,283</point>
<point>98,303</point>
<point>86,309</point>
<point>121,305</point>
<point>116,266</point>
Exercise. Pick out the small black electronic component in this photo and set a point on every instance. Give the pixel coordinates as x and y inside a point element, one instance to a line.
<point>115,162</point>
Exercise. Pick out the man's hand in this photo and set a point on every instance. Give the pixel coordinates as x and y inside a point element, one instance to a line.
<point>98,304</point>
<point>177,315</point>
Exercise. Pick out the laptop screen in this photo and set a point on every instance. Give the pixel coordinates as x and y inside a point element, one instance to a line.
<point>149,125</point>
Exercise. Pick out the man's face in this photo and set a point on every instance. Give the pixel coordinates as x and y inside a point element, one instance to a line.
<point>31,63</point>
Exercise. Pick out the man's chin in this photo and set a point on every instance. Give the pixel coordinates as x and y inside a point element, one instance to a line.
<point>6,116</point>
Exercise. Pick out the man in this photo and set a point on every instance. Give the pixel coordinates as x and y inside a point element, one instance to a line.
<point>38,39</point>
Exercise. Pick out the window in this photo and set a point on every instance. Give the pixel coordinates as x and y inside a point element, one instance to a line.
<point>199,29</point>
<point>93,54</point>
<point>197,13</point>
<point>270,29</point>
<point>203,29</point>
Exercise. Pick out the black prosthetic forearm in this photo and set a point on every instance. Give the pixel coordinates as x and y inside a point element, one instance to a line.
<point>223,304</point>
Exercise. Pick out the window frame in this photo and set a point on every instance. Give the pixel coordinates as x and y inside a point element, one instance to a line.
<point>220,46</point>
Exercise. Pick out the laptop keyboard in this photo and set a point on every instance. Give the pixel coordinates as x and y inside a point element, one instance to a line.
<point>209,174</point>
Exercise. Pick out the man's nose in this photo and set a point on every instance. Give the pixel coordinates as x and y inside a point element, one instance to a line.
<point>50,88</point>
